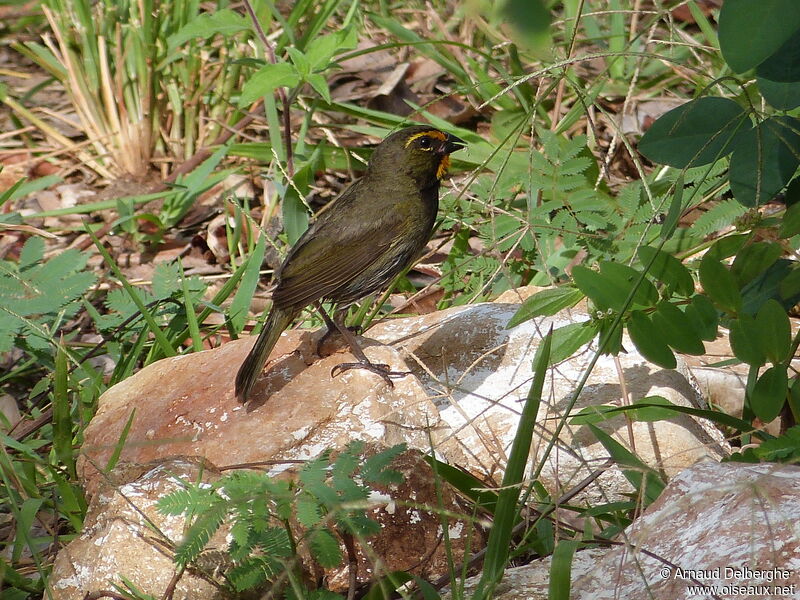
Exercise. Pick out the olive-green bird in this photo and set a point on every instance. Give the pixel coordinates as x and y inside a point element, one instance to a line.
<point>361,241</point>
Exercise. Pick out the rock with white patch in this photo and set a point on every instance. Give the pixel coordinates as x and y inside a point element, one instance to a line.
<point>478,373</point>
<point>118,540</point>
<point>730,525</point>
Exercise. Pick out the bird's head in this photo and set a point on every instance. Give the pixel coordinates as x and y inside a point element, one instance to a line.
<point>421,151</point>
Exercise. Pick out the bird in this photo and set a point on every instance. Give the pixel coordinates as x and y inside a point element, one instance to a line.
<point>359,242</point>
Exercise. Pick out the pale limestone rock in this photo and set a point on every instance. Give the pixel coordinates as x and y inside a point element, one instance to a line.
<point>710,518</point>
<point>125,535</point>
<point>117,540</point>
<point>479,373</point>
<point>532,581</point>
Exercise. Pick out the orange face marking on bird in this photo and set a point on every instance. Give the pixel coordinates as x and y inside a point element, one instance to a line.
<point>444,164</point>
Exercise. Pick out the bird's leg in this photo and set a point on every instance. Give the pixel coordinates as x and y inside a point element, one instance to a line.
<point>337,324</point>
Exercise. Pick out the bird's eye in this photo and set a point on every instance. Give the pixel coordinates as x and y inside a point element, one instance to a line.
<point>425,143</point>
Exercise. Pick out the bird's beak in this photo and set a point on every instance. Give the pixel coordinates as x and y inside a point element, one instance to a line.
<point>451,144</point>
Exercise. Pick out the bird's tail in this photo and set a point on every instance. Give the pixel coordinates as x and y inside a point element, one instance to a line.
<point>277,321</point>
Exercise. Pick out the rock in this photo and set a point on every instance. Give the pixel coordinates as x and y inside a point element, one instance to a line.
<point>184,406</point>
<point>469,375</point>
<point>532,581</point>
<point>479,373</point>
<point>727,524</point>
<point>118,541</point>
<point>126,536</point>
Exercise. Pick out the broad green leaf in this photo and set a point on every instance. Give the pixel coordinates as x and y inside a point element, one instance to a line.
<point>753,260</point>
<point>789,286</point>
<point>569,338</point>
<point>746,341</point>
<point>764,160</point>
<point>720,285</point>
<point>703,316</point>
<point>696,133</point>
<point>529,20</point>
<point>649,341</point>
<point>750,32</point>
<point>320,85</point>
<point>728,246</point>
<point>676,329</point>
<point>790,224</point>
<point>783,65</point>
<point>772,323</point>
<point>600,290</point>
<point>610,340</point>
<point>623,278</point>
<point>224,22</point>
<point>546,303</point>
<point>780,95</point>
<point>266,80</point>
<point>770,393</point>
<point>668,270</point>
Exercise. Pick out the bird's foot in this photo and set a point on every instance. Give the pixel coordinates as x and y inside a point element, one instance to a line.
<point>382,370</point>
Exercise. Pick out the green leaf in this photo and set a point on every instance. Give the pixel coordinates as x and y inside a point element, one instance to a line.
<point>624,278</point>
<point>647,339</point>
<point>320,85</point>
<point>650,408</point>
<point>266,80</point>
<point>703,317</point>
<point>790,224</point>
<point>728,246</point>
<point>506,514</point>
<point>325,548</point>
<point>561,569</point>
<point>466,483</point>
<point>776,335</point>
<point>764,160</point>
<point>668,270</point>
<point>224,22</point>
<point>770,393</point>
<point>247,287</point>
<point>750,32</point>
<point>610,338</point>
<point>780,95</point>
<point>753,260</point>
<point>568,339</point>
<point>674,212</point>
<point>696,133</point>
<point>546,303</point>
<point>720,285</point>
<point>746,341</point>
<point>322,49</point>
<point>599,289</point>
<point>677,329</point>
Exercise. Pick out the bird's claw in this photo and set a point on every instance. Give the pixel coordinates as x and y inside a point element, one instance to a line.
<point>380,369</point>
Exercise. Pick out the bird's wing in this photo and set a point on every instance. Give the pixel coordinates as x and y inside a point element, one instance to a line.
<point>338,248</point>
